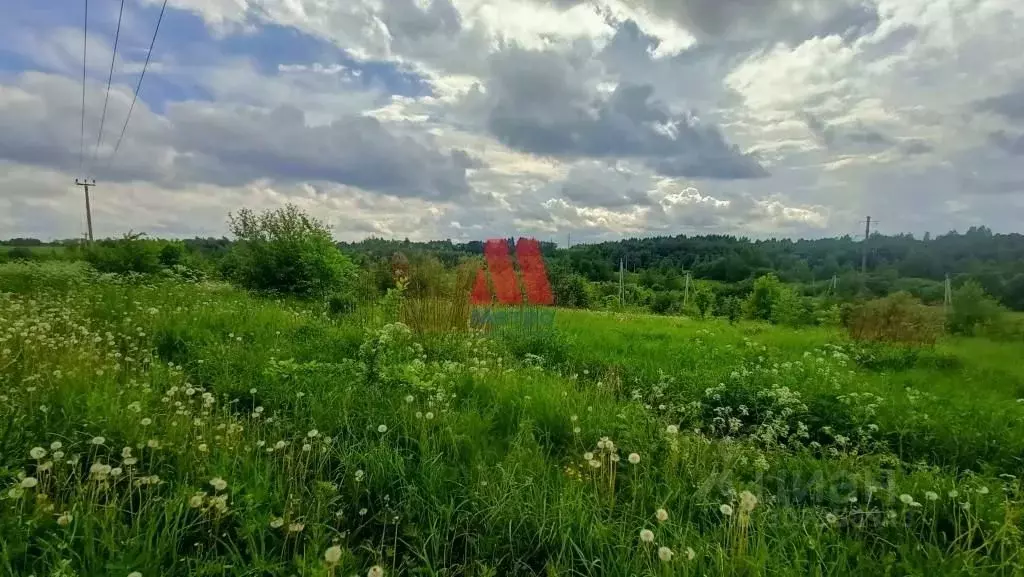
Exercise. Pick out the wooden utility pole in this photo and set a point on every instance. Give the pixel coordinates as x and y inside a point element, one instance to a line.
<point>622,289</point>
<point>88,209</point>
<point>864,247</point>
<point>686,289</point>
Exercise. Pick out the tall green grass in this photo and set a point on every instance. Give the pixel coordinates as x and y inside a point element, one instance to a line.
<point>203,431</point>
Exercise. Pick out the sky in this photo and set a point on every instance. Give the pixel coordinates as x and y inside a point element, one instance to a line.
<point>471,119</point>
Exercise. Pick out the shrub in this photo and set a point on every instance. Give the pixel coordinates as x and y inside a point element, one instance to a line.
<point>573,290</point>
<point>703,299</point>
<point>972,311</point>
<point>286,251</point>
<point>766,293</point>
<point>898,318</point>
<point>20,253</point>
<point>664,303</point>
<point>172,254</point>
<point>131,253</point>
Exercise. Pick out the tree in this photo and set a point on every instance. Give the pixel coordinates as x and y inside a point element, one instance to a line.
<point>286,251</point>
<point>972,310</point>
<point>766,293</point>
<point>703,299</point>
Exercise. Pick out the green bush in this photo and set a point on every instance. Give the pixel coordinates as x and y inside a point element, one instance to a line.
<point>20,253</point>
<point>762,299</point>
<point>972,310</point>
<point>129,254</point>
<point>286,251</point>
<point>703,299</point>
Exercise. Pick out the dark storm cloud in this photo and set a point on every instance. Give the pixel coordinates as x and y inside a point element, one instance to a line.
<point>545,103</point>
<point>595,186</point>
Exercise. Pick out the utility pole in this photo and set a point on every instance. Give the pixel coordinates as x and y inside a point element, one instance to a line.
<point>686,290</point>
<point>622,290</point>
<point>568,241</point>
<point>947,298</point>
<point>84,183</point>
<point>864,247</point>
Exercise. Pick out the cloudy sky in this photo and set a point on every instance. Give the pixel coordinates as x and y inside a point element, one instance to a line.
<point>466,119</point>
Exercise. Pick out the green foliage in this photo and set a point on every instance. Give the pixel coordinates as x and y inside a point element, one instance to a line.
<point>573,291</point>
<point>703,299</point>
<point>763,298</point>
<point>172,254</point>
<point>286,251</point>
<point>664,303</point>
<point>132,253</point>
<point>972,310</point>
<point>20,253</point>
<point>217,432</point>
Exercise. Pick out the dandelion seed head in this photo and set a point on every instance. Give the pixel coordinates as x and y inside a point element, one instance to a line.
<point>313,433</point>
<point>690,554</point>
<point>665,554</point>
<point>661,515</point>
<point>56,445</point>
<point>382,429</point>
<point>931,495</point>
<point>276,523</point>
<point>375,571</point>
<point>634,458</point>
<point>65,519</point>
<point>672,430</point>
<point>29,482</point>
<point>296,527</point>
<point>831,518</point>
<point>906,499</point>
<point>726,509</point>
<point>333,554</point>
<point>98,440</point>
<point>647,536</point>
<point>747,501</point>
<point>218,484</point>
<point>37,453</point>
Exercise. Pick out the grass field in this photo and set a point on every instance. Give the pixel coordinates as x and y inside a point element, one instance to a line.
<point>191,429</point>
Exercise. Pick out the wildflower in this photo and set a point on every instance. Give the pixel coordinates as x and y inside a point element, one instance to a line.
<point>665,554</point>
<point>359,475</point>
<point>647,536</point>
<point>307,447</point>
<point>931,495</point>
<point>129,461</point>
<point>419,414</point>
<point>409,398</point>
<point>362,512</point>
<point>672,430</point>
<point>983,490</point>
<point>726,509</point>
<point>37,453</point>
<point>906,499</point>
<point>747,501</point>
<point>831,519</point>
<point>375,571</point>
<point>98,440</point>
<point>218,484</point>
<point>196,501</point>
<point>153,444</point>
<point>332,555</point>
<point>135,407</point>
<point>56,445</point>
<point>126,452</point>
<point>296,527</point>
<point>383,428</point>
<point>576,430</point>
<point>135,574</point>
<point>634,458</point>
<point>661,515</point>
<point>953,493</point>
<point>276,523</point>
<point>116,472</point>
<point>145,422</point>
<point>588,456</point>
<point>429,416</point>
<point>65,519</point>
<point>313,433</point>
<point>203,448</point>
<point>280,445</point>
<point>595,463</point>
<point>690,554</point>
<point>29,482</point>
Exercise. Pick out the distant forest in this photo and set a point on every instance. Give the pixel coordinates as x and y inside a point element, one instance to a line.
<point>894,263</point>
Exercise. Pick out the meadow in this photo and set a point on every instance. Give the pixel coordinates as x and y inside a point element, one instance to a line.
<point>154,427</point>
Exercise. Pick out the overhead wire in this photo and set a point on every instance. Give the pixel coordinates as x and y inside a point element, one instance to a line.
<point>138,86</point>
<point>110,77</point>
<point>85,59</point>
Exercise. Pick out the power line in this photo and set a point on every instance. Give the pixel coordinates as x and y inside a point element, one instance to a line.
<point>138,86</point>
<point>85,53</point>
<point>110,77</point>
